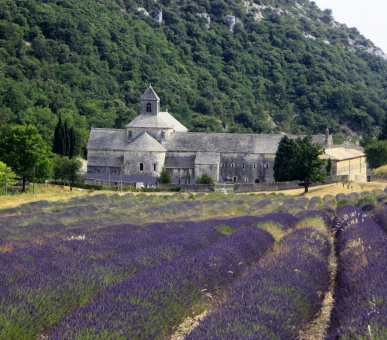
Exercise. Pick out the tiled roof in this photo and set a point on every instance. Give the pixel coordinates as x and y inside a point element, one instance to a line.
<point>106,160</point>
<point>145,142</point>
<point>163,120</point>
<point>150,94</point>
<point>107,139</point>
<point>229,142</point>
<point>340,154</point>
<point>205,158</point>
<point>180,161</point>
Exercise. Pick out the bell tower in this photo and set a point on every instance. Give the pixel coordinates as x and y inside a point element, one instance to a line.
<point>150,102</point>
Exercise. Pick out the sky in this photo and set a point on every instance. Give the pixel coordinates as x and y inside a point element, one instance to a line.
<point>368,16</point>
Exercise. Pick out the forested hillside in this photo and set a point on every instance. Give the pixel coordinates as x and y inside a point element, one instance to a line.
<point>284,66</point>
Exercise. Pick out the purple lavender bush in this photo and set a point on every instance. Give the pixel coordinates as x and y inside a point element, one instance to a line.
<point>278,296</point>
<point>41,284</point>
<point>360,307</point>
<point>152,304</point>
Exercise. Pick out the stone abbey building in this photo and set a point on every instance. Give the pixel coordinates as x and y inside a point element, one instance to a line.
<point>155,140</point>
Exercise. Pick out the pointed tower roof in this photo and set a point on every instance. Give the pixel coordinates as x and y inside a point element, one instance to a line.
<point>150,94</point>
<point>145,142</point>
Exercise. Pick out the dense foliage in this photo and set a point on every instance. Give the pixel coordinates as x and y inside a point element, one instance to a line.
<point>23,149</point>
<point>299,160</point>
<point>292,70</point>
<point>376,153</point>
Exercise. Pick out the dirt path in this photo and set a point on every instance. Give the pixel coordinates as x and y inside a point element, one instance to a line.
<point>316,330</point>
<point>187,326</point>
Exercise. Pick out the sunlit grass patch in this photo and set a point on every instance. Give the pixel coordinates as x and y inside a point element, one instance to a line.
<point>277,231</point>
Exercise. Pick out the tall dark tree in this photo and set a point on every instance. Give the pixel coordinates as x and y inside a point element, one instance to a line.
<point>328,168</point>
<point>64,139</point>
<point>383,132</point>
<point>283,160</point>
<point>376,154</point>
<point>299,160</point>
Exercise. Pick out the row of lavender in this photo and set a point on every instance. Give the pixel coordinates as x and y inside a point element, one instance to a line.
<point>48,278</point>
<point>152,304</point>
<point>360,308</point>
<point>279,296</point>
<point>40,284</point>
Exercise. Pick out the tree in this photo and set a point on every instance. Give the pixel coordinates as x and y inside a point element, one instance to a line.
<point>64,139</point>
<point>307,165</point>
<point>383,132</point>
<point>283,158</point>
<point>376,154</point>
<point>165,177</point>
<point>205,179</point>
<point>328,168</point>
<point>25,151</point>
<point>68,170</point>
<point>299,160</point>
<point>8,175</point>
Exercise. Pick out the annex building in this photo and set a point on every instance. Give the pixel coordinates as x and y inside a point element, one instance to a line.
<point>155,140</point>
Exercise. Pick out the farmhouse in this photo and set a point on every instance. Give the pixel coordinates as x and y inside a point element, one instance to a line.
<point>155,140</point>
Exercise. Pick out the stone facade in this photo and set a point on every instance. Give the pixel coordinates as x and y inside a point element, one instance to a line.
<point>155,140</point>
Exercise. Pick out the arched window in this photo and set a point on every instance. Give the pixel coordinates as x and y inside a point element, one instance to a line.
<point>234,178</point>
<point>129,134</point>
<point>223,165</point>
<point>243,165</point>
<point>254,165</point>
<point>246,179</point>
<point>141,166</point>
<point>232,165</point>
<point>267,165</point>
<point>148,107</point>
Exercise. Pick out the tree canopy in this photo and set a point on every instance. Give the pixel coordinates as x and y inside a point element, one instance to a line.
<point>25,151</point>
<point>301,160</point>
<point>89,62</point>
<point>376,154</point>
<point>205,179</point>
<point>6,175</point>
<point>165,177</point>
<point>68,170</point>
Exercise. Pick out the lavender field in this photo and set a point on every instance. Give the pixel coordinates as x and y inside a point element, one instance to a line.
<point>143,267</point>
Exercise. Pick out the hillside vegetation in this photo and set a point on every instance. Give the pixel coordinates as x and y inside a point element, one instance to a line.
<point>284,66</point>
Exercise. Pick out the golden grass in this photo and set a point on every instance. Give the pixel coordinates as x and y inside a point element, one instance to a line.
<point>271,227</point>
<point>381,171</point>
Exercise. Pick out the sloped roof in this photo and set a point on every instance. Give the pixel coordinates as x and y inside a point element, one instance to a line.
<point>340,154</point>
<point>150,94</point>
<point>107,139</point>
<point>163,120</point>
<point>145,142</point>
<point>180,161</point>
<point>207,158</point>
<point>106,160</point>
<point>229,142</point>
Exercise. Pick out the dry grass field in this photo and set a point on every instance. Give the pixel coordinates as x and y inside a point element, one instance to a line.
<point>57,193</point>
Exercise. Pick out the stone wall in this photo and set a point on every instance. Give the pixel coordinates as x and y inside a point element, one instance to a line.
<point>279,186</point>
<point>190,187</point>
<point>112,183</point>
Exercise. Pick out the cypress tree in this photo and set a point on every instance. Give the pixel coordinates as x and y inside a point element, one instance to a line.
<point>383,132</point>
<point>72,143</point>
<point>66,140</point>
<point>58,138</point>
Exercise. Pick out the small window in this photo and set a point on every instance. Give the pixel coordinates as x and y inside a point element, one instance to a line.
<point>246,179</point>
<point>163,134</point>
<point>223,165</point>
<point>97,171</point>
<point>234,178</point>
<point>267,165</point>
<point>155,167</point>
<point>254,165</point>
<point>232,165</point>
<point>141,166</point>
<point>243,165</point>
<point>129,134</point>
<point>148,107</point>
